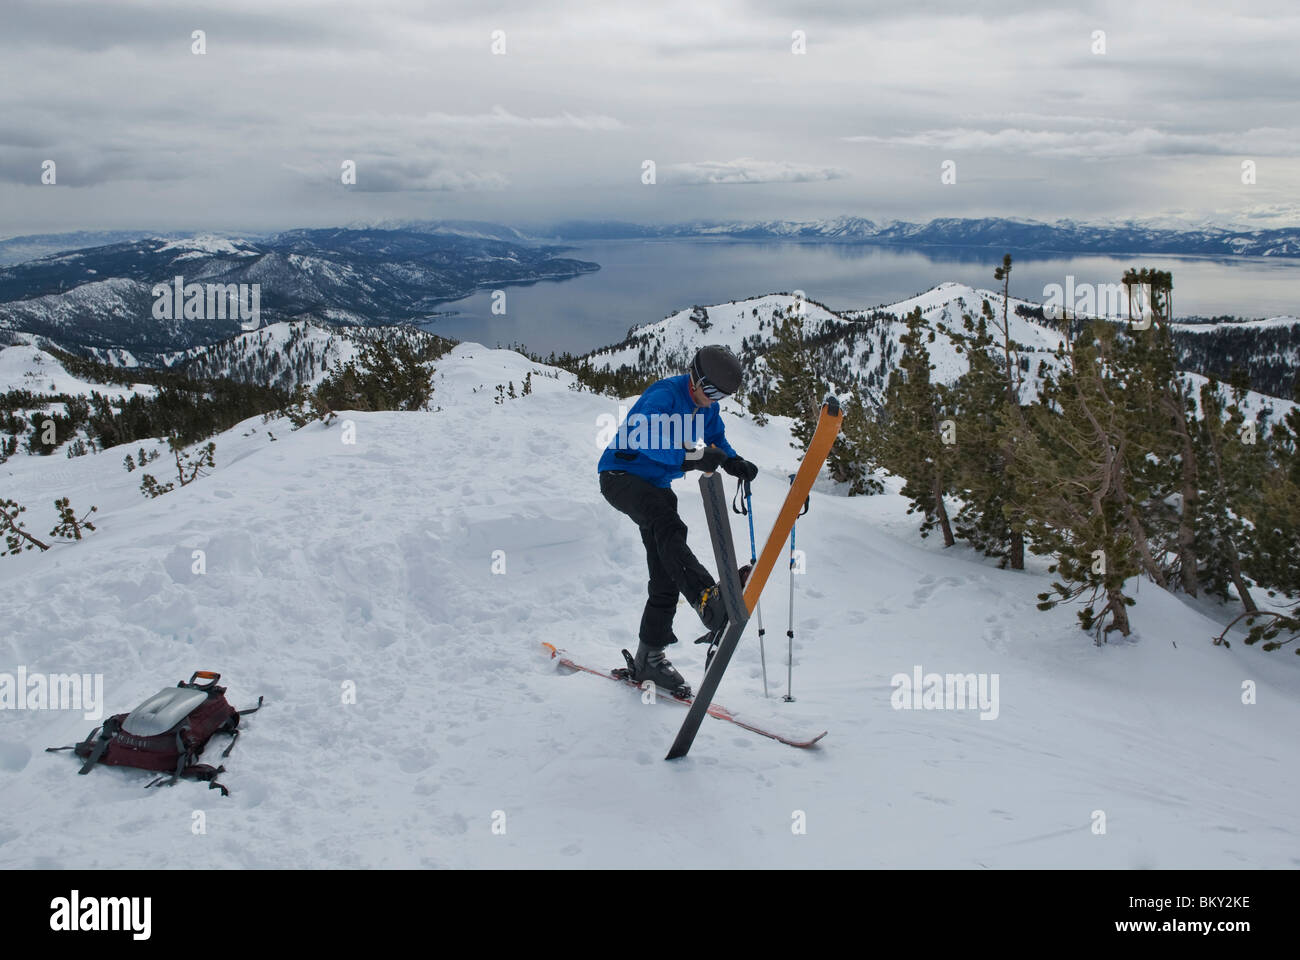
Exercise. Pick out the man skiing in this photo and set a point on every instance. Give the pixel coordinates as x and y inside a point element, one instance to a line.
<point>636,471</point>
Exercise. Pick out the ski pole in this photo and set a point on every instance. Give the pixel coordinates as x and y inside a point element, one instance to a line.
<point>758,604</point>
<point>789,633</point>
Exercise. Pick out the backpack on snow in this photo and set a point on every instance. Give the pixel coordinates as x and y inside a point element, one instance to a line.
<point>167,733</point>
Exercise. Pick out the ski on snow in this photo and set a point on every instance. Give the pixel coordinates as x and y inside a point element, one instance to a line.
<point>738,606</point>
<point>713,709</point>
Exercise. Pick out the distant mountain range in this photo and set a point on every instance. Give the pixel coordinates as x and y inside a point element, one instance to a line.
<point>1063,236</point>
<point>36,245</point>
<point>98,293</point>
<point>104,297</point>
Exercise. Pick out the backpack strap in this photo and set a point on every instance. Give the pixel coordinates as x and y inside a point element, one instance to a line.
<point>106,733</point>
<point>195,771</point>
<point>205,771</point>
<point>93,747</point>
<point>234,736</point>
<point>83,745</point>
<point>96,752</point>
<point>183,759</point>
<point>231,726</point>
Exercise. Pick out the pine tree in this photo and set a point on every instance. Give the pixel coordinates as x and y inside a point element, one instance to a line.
<point>1234,456</point>
<point>907,433</point>
<point>851,460</point>
<point>70,527</point>
<point>797,391</point>
<point>981,440</point>
<point>17,539</point>
<point>1274,558</point>
<point>1165,464</point>
<point>1071,469</point>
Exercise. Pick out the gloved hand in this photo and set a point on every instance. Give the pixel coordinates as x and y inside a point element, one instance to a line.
<point>741,468</point>
<point>707,459</point>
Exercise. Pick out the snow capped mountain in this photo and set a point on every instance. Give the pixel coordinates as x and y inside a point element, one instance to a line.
<point>421,568</point>
<point>34,246</point>
<point>670,343</point>
<point>207,245</point>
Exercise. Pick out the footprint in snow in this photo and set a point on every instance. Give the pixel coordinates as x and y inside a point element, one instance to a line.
<point>933,799</point>
<point>14,756</point>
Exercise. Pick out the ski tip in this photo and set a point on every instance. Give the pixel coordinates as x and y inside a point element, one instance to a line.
<point>833,405</point>
<point>551,647</point>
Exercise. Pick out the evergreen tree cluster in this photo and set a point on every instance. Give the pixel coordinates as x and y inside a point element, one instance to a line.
<point>1114,468</point>
<point>388,373</point>
<point>186,408</point>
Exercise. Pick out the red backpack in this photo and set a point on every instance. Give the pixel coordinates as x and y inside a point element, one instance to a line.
<point>167,733</point>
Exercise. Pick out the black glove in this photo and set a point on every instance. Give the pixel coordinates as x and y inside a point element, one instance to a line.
<point>741,468</point>
<point>707,459</point>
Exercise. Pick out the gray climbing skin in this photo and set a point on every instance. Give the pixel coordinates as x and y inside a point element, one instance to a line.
<point>162,711</point>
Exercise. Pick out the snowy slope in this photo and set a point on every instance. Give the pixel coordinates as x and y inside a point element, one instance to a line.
<point>25,365</point>
<point>371,564</point>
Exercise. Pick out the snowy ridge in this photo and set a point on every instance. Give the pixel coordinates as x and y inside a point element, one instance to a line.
<point>208,245</point>
<point>26,365</point>
<point>675,339</point>
<point>285,354</point>
<point>863,347</point>
<point>369,566</point>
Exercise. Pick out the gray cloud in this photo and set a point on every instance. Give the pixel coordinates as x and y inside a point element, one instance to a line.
<point>748,170</point>
<point>251,135</point>
<point>499,116</point>
<point>91,25</point>
<point>1104,144</point>
<point>389,175</point>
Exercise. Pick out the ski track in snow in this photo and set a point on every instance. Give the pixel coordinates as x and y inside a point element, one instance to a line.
<point>371,564</point>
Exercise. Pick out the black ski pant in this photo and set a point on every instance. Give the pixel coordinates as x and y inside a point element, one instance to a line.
<point>673,567</point>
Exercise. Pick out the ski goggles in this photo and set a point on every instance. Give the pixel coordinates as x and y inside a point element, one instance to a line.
<point>707,387</point>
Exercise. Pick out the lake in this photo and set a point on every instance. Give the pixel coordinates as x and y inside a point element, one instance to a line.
<point>641,281</point>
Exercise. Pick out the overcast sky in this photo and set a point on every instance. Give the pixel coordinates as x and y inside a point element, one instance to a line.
<point>251,135</point>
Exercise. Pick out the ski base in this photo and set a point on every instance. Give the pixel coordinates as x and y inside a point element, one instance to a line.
<point>714,710</point>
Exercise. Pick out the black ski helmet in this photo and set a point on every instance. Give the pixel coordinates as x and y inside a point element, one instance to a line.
<point>716,371</point>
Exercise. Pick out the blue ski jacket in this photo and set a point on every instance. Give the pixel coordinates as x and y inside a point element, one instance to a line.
<point>652,440</point>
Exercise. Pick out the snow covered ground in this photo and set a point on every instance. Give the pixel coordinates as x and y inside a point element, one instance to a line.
<point>369,566</point>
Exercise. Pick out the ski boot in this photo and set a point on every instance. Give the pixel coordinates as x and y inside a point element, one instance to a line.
<point>651,663</point>
<point>714,637</point>
<point>711,608</point>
